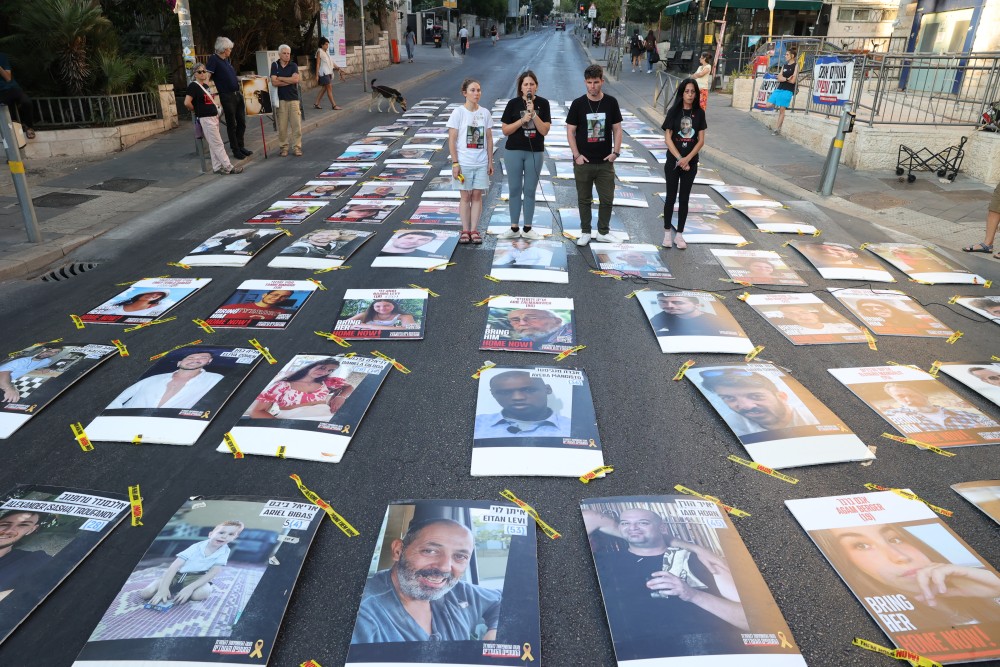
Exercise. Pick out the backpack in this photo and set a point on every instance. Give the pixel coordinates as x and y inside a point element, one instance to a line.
<point>636,43</point>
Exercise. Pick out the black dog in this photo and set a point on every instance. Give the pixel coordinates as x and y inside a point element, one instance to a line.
<point>385,92</point>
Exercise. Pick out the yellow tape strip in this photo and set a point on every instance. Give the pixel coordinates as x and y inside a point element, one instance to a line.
<point>439,266</point>
<point>994,357</point>
<point>77,322</point>
<point>335,338</point>
<point>988,284</point>
<point>595,473</point>
<point>920,282</point>
<point>16,167</point>
<point>491,278</point>
<point>743,244</point>
<point>283,231</point>
<point>45,342</point>
<point>122,350</point>
<point>479,372</point>
<point>163,354</point>
<point>150,323</point>
<point>752,354</point>
<point>549,531</point>
<point>729,508</point>
<point>870,338</point>
<point>914,659</point>
<point>395,364</point>
<point>743,297</point>
<point>935,367</point>
<point>424,289</point>
<point>205,326</point>
<point>281,452</point>
<point>764,469</point>
<point>263,350</point>
<point>909,496</point>
<point>565,353</point>
<point>137,440</point>
<point>310,663</point>
<point>785,244</point>
<point>954,298</point>
<point>683,369</point>
<point>817,233</point>
<point>81,437</point>
<point>340,521</point>
<point>952,339</point>
<point>917,444</point>
<point>607,274</point>
<point>233,447</point>
<point>331,268</point>
<point>135,500</point>
<point>633,293</point>
<point>179,265</point>
<point>485,301</point>
<point>317,283</point>
<point>133,282</point>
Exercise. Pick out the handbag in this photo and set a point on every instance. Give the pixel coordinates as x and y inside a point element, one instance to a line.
<point>198,132</point>
<point>654,56</point>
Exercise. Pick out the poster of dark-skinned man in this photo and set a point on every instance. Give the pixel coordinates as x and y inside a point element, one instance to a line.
<point>452,582</point>
<point>692,322</point>
<point>45,533</point>
<point>388,314</point>
<point>529,324</point>
<point>924,264</point>
<point>680,587</point>
<point>777,420</point>
<point>174,401</point>
<point>211,589</point>
<point>535,421</point>
<point>928,590</point>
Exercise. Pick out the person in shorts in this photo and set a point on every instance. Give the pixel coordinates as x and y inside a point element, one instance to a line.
<point>782,96</point>
<point>470,139</point>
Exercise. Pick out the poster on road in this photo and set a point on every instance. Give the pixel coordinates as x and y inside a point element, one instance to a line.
<point>382,314</point>
<point>262,304</point>
<point>804,319</point>
<point>144,301</point>
<point>529,324</point>
<point>924,264</point>
<point>692,322</point>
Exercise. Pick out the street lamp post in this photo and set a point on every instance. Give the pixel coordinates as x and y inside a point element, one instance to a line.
<point>364,48</point>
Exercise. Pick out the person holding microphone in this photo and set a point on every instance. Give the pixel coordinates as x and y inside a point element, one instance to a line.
<point>525,122</point>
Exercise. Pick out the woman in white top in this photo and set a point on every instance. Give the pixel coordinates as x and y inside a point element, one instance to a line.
<point>324,73</point>
<point>703,77</point>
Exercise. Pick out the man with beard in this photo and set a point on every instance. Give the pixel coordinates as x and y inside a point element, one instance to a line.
<point>422,597</point>
<point>17,565</point>
<point>541,327</point>
<point>179,390</point>
<point>681,316</point>
<point>757,402</point>
<point>664,597</point>
<point>525,410</point>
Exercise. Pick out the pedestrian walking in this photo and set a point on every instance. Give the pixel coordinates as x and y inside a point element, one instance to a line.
<point>411,43</point>
<point>199,101</point>
<point>470,140</point>
<point>650,45</point>
<point>526,120</point>
<point>636,49</point>
<point>325,67</point>
<point>223,75</point>
<point>992,222</point>
<point>285,77</point>
<point>463,37</point>
<point>684,134</point>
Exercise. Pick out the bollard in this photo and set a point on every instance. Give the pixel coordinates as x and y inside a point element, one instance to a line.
<point>845,125</point>
<point>17,175</point>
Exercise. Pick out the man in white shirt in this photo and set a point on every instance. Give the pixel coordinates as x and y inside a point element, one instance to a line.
<point>15,368</point>
<point>463,35</point>
<point>179,390</point>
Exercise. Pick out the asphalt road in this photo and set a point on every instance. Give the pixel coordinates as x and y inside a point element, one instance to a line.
<point>415,440</point>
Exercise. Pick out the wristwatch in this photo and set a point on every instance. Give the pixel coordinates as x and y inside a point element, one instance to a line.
<point>616,153</point>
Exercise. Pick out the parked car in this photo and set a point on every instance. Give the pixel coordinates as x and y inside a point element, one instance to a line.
<point>561,24</point>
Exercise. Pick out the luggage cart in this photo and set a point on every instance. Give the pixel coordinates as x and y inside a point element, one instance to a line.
<point>946,163</point>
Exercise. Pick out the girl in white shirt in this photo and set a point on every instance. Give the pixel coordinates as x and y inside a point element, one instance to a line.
<point>470,139</point>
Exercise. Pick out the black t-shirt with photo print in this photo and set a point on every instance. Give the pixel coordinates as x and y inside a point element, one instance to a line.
<point>684,127</point>
<point>527,138</point>
<point>594,123</point>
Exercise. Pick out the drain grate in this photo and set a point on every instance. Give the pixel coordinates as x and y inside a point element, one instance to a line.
<point>67,271</point>
<point>122,184</point>
<point>61,200</point>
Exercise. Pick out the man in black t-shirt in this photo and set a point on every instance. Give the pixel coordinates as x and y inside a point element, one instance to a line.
<point>594,132</point>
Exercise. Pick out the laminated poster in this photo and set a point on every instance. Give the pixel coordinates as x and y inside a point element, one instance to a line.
<point>376,140</point>
<point>981,377</point>
<point>546,192</point>
<point>231,247</point>
<point>891,313</point>
<point>312,408</point>
<point>35,376</point>
<point>742,195</point>
<point>343,171</point>
<point>708,176</point>
<point>697,203</point>
<point>532,261</point>
<point>529,324</point>
<point>362,152</point>
<point>687,548</point>
<point>48,531</point>
<point>571,223</point>
<point>919,407</point>
<point>262,304</point>
<point>403,172</point>
<point>383,190</point>
<point>639,173</point>
<point>211,589</point>
<point>430,212</point>
<point>626,195</point>
<point>987,306</point>
<point>804,319</point>
<point>777,420</point>
<point>775,219</point>
<point>757,267</point>
<point>535,421</point>
<point>321,249</point>
<point>839,261</point>
<point>174,401</point>
<point>432,132</point>
<point>365,211</point>
<point>286,212</point>
<point>417,249</point>
<point>542,222</point>
<point>924,264</point>
<point>437,143</point>
<point>411,155</point>
<point>632,259</point>
<point>707,228</point>
<point>484,606</point>
<point>692,322</point>
<point>984,495</point>
<point>325,190</point>
<point>144,301</point>
<point>441,187</point>
<point>925,587</point>
<point>382,314</point>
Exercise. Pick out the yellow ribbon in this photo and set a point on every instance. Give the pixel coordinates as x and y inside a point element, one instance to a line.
<point>526,656</point>
<point>935,367</point>
<point>493,278</point>
<point>910,496</point>
<point>331,268</point>
<point>817,233</point>
<point>683,369</point>
<point>917,444</point>
<point>281,452</point>
<point>954,298</point>
<point>338,520</point>
<point>77,322</point>
<point>135,500</point>
<point>764,469</point>
<point>712,499</point>
<point>178,264</point>
<point>485,301</point>
<point>479,373</point>
<point>439,266</point>
<point>870,338</point>
<point>263,350</point>
<point>952,339</point>
<point>335,338</point>
<point>395,364</point>
<point>565,353</point>
<point>204,326</point>
<point>549,531</point>
<point>317,283</point>
<point>752,354</point>
<point>595,473</point>
<point>784,641</point>
<point>424,289</point>
<point>122,350</point>
<point>137,440</point>
<point>149,324</point>
<point>743,244</point>
<point>163,354</point>
<point>632,294</point>
<point>258,646</point>
<point>233,447</point>
<point>914,659</point>
<point>81,437</point>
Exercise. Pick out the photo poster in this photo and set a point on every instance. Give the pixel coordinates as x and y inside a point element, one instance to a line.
<point>535,421</point>
<point>321,249</point>
<point>631,259</point>
<point>396,129</point>
<point>342,171</point>
<point>708,176</point>
<point>545,192</point>
<point>231,247</point>
<point>431,212</point>
<point>543,170</point>
<point>757,267</point>
<point>804,319</point>
<point>383,190</point>
<point>286,213</point>
<point>530,324</point>
<point>707,228</point>
<point>742,195</point>
<point>883,545</point>
<point>697,203</point>
<point>174,401</point>
<point>262,304</point>
<point>987,306</point>
<point>981,377</point>
<point>638,173</point>
<point>439,132</point>
<point>542,222</point>
<point>382,314</point>
<point>559,154</point>
<point>918,406</point>
<point>776,220</point>
<point>312,408</point>
<point>626,195</point>
<point>767,84</point>
<point>144,301</point>
<point>365,211</point>
<point>441,187</point>
<point>211,589</point>
<point>839,261</point>
<point>571,225</point>
<point>331,20</point>
<point>412,155</point>
<point>777,420</point>
<point>833,78</point>
<point>362,152</point>
<point>985,495</point>
<point>48,531</point>
<point>376,140</point>
<point>565,170</point>
<point>323,189</point>
<point>417,249</point>
<point>924,264</point>
<point>651,624</point>
<point>403,172</point>
<point>530,261</point>
<point>256,95</point>
<point>489,595</point>
<point>35,376</point>
<point>686,322</point>
<point>891,313</point>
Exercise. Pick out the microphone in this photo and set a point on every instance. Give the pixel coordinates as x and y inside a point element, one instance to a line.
<point>529,97</point>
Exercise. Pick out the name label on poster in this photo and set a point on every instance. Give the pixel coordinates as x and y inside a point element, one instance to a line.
<point>513,519</point>
<point>288,510</point>
<point>574,377</point>
<point>71,504</point>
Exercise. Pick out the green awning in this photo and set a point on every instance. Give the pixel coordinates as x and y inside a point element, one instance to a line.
<point>675,8</point>
<point>804,5</point>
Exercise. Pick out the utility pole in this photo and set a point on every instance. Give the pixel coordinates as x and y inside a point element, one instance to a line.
<point>364,48</point>
<point>183,11</point>
<point>17,174</point>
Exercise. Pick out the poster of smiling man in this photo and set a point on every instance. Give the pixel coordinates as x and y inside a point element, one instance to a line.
<point>529,324</point>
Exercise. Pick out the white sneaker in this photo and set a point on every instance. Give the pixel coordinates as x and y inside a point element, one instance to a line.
<point>533,235</point>
<point>633,70</point>
<point>583,240</point>
<point>510,234</point>
<point>606,238</point>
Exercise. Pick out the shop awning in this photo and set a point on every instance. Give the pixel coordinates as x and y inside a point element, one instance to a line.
<point>675,8</point>
<point>804,5</point>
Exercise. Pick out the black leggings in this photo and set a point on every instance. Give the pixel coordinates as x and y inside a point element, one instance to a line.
<point>677,179</point>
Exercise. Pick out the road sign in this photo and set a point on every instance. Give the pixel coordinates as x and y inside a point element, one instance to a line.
<point>592,12</point>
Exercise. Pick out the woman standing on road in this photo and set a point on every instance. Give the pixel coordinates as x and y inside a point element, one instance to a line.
<point>526,120</point>
<point>324,73</point>
<point>470,140</point>
<point>703,77</point>
<point>684,134</point>
<point>199,102</point>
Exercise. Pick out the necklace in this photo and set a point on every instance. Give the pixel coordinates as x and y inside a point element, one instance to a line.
<point>594,109</point>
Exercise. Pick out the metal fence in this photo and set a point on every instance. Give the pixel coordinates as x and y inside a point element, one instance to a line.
<point>95,110</point>
<point>748,45</point>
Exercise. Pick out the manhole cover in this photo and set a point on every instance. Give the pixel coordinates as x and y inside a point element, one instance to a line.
<point>122,184</point>
<point>61,200</point>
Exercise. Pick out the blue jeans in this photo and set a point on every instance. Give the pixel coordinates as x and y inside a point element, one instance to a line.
<point>522,168</point>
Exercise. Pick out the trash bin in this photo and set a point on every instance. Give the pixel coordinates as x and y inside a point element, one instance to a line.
<point>394,51</point>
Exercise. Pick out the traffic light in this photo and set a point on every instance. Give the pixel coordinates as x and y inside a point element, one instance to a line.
<point>581,9</point>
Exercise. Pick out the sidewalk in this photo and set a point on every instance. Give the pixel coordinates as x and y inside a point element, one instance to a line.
<point>79,199</point>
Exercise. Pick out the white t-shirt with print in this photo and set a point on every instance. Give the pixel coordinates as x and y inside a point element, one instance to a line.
<point>472,127</point>
<point>197,560</point>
